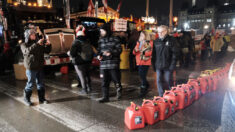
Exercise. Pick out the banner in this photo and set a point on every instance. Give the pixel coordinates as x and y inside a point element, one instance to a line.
<point>105,3</point>
<point>119,6</point>
<point>90,8</point>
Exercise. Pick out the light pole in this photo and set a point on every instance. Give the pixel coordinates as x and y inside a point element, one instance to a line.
<point>147,8</point>
<point>171,16</point>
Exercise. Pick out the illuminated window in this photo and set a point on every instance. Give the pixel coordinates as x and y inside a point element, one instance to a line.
<point>208,20</point>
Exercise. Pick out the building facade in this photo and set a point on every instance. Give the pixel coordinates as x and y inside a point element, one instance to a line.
<point>111,14</point>
<point>206,19</point>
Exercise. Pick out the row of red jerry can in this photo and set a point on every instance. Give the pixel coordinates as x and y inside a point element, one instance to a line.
<point>179,97</point>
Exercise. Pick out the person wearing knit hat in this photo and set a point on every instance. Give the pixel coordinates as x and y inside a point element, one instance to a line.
<point>109,51</point>
<point>80,30</point>
<point>33,51</point>
<point>82,55</point>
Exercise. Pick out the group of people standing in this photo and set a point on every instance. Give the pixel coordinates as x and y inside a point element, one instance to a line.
<point>214,46</point>
<point>160,53</point>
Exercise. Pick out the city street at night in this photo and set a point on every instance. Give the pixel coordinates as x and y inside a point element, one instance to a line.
<point>117,66</point>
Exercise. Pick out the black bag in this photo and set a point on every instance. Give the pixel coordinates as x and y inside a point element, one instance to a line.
<point>86,53</point>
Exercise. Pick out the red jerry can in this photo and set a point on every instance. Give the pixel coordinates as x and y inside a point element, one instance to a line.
<point>210,83</point>
<point>134,117</point>
<point>219,77</point>
<point>64,69</point>
<point>216,82</point>
<point>182,96</point>
<point>191,92</point>
<point>163,106</point>
<point>173,100</point>
<point>198,92</point>
<point>203,82</point>
<point>151,111</point>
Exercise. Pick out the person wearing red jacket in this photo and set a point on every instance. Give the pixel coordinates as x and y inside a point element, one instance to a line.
<point>143,53</point>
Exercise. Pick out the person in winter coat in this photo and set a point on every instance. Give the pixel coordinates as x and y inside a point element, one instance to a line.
<point>109,51</point>
<point>216,45</point>
<point>164,57</point>
<point>82,55</point>
<point>203,49</point>
<point>33,51</point>
<point>143,53</point>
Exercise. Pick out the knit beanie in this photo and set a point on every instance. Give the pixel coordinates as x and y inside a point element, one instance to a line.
<point>27,33</point>
<point>80,30</point>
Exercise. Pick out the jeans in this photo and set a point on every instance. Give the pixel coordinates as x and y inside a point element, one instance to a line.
<point>32,76</point>
<point>164,77</point>
<point>83,72</point>
<point>143,70</point>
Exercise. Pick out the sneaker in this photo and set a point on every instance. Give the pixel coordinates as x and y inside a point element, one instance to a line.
<point>119,95</point>
<point>44,102</point>
<point>83,92</point>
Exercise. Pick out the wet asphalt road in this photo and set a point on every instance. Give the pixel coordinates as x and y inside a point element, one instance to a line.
<point>70,111</point>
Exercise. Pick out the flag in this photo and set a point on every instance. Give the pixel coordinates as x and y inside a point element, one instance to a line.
<point>105,3</point>
<point>90,8</point>
<point>119,6</point>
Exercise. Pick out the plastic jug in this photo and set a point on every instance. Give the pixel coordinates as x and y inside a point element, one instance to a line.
<point>134,117</point>
<point>164,107</point>
<point>151,111</point>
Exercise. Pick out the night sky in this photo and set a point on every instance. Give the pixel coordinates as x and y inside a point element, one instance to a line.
<point>156,8</point>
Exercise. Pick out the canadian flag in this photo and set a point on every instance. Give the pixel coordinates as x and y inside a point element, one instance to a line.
<point>105,3</point>
<point>119,6</point>
<point>90,8</point>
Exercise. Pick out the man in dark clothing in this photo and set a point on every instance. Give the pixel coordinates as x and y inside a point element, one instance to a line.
<point>109,51</point>
<point>164,58</point>
<point>33,52</point>
<point>81,62</point>
<point>131,44</point>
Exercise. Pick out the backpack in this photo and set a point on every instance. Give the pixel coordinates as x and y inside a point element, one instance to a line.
<point>86,51</point>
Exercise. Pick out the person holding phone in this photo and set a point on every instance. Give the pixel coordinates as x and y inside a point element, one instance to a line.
<point>33,50</point>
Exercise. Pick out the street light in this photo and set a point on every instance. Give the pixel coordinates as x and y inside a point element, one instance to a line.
<point>186,25</point>
<point>206,27</point>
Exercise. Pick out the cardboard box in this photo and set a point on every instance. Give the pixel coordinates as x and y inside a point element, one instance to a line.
<point>20,72</point>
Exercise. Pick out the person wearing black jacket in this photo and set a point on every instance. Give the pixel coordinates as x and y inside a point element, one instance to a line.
<point>164,58</point>
<point>82,66</point>
<point>109,51</point>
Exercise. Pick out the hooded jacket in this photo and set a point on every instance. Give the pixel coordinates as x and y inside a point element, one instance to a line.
<point>33,53</point>
<point>164,55</point>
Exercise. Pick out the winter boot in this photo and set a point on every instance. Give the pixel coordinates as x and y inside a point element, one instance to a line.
<point>89,89</point>
<point>105,95</point>
<point>119,91</point>
<point>27,95</point>
<point>83,91</point>
<point>41,97</point>
<point>143,91</point>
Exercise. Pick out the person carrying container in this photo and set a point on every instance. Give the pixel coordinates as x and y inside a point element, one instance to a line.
<point>143,53</point>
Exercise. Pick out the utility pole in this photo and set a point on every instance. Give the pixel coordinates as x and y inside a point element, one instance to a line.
<point>96,8</point>
<point>67,13</point>
<point>147,8</point>
<point>171,16</point>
